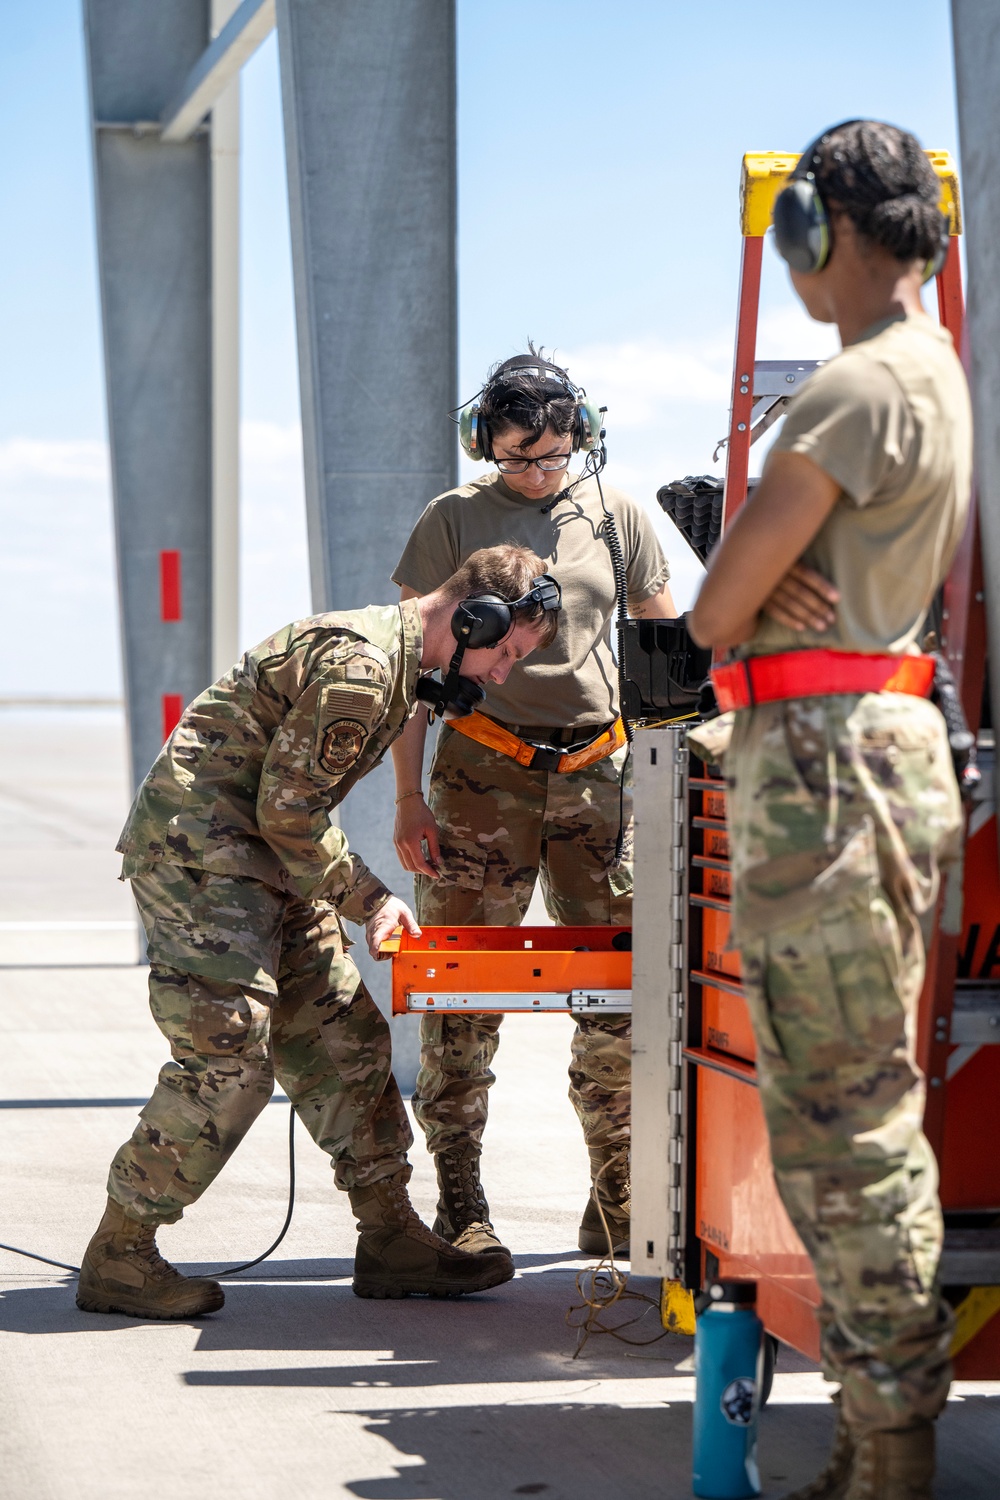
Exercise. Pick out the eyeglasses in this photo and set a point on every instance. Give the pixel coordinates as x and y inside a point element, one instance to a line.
<point>550,465</point>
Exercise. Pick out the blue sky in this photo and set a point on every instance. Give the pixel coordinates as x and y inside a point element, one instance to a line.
<point>599,156</point>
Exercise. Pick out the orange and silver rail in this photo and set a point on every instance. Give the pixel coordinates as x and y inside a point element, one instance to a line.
<point>579,970</point>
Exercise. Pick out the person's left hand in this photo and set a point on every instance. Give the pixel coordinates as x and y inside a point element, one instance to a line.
<point>803,600</point>
<point>393,914</point>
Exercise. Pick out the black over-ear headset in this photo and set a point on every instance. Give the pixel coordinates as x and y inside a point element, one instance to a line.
<point>474,430</point>
<point>802,233</point>
<point>478,623</point>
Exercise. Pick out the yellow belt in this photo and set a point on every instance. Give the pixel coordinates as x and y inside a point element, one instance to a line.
<point>537,757</point>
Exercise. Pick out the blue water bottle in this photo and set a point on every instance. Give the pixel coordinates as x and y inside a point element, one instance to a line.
<point>728,1365</point>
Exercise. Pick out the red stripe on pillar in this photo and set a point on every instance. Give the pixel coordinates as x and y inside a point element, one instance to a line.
<point>170,586</point>
<point>173,707</point>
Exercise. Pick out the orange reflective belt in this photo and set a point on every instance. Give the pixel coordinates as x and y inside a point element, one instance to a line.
<point>813,674</point>
<point>484,731</point>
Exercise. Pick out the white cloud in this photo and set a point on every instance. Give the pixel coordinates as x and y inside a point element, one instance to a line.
<point>667,405</point>
<point>57,577</point>
<point>271,450</point>
<point>274,559</point>
<point>28,459</point>
<point>787,332</point>
<point>635,378</point>
<point>57,564</point>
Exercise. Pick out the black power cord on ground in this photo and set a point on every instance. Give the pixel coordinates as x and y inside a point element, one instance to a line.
<point>232,1270</point>
<point>229,1270</point>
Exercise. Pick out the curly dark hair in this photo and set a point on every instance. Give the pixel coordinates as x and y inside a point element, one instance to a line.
<point>532,402</point>
<point>881,178</point>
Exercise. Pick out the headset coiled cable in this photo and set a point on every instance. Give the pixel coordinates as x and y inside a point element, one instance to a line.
<point>614,546</point>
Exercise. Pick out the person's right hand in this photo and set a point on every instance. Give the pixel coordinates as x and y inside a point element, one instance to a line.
<point>803,600</point>
<point>415,826</point>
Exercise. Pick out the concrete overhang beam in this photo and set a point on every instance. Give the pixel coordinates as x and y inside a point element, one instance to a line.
<point>249,25</point>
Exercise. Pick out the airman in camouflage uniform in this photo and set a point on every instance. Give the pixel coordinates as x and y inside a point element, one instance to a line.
<point>843,807</point>
<point>242,883</point>
<point>842,811</point>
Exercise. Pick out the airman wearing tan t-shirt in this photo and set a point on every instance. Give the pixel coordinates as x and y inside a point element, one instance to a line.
<point>491,827</point>
<point>889,420</point>
<point>842,803</point>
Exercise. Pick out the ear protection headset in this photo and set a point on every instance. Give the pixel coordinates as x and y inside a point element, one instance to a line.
<point>478,623</point>
<point>473,428</point>
<point>802,232</point>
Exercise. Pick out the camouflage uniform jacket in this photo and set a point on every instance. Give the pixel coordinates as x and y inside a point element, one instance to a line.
<point>247,781</point>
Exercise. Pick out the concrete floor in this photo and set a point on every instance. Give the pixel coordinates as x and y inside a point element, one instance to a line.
<point>297,1386</point>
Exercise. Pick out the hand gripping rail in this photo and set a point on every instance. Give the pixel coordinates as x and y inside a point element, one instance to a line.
<point>581,970</point>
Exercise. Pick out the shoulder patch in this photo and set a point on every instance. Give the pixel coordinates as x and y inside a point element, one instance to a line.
<point>341,745</point>
<point>348,712</point>
<point>351,700</point>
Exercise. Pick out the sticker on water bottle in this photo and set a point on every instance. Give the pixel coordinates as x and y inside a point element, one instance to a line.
<point>737,1401</point>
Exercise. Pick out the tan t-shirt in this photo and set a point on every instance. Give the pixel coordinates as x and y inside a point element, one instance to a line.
<point>573,682</point>
<point>889,419</point>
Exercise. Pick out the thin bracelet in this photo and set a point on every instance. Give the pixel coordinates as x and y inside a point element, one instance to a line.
<point>417,792</point>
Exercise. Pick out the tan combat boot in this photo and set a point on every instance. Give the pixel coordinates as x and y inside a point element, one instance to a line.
<point>123,1272</point>
<point>832,1483</point>
<point>463,1214</point>
<point>398,1256</point>
<point>610,1176</point>
<point>897,1465</point>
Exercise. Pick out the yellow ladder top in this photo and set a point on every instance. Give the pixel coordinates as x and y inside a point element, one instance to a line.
<point>766,172</point>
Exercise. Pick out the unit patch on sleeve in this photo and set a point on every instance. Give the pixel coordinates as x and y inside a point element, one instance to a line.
<point>348,712</point>
<point>341,746</point>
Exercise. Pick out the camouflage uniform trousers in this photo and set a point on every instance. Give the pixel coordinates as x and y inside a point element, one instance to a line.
<point>502,826</point>
<point>841,812</point>
<point>247,985</point>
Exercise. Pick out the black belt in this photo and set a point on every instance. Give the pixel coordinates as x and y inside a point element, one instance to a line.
<point>542,734</point>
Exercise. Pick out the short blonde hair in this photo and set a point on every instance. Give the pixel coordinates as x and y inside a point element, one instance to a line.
<point>506,571</point>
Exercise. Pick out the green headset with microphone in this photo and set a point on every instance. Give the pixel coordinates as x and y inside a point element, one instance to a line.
<point>474,428</point>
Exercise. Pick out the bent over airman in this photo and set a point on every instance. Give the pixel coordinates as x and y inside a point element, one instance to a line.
<point>242,884</point>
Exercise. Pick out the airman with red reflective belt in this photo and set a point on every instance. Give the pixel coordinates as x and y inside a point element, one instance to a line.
<point>842,802</point>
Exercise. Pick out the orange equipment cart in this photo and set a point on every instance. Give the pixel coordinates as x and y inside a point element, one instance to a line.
<point>735,1224</point>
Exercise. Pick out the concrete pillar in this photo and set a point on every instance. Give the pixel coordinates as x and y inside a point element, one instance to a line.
<point>153,227</point>
<point>225,156</point>
<point>977,75</point>
<point>369,105</point>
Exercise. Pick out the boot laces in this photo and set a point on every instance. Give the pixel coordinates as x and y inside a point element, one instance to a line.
<point>863,1473</point>
<point>146,1248</point>
<point>407,1218</point>
<point>612,1180</point>
<point>460,1179</point>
